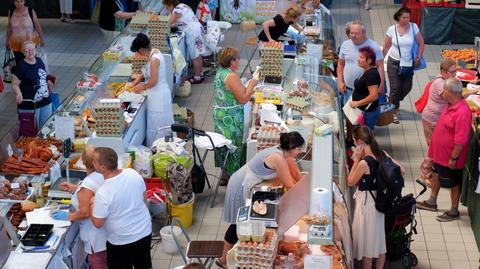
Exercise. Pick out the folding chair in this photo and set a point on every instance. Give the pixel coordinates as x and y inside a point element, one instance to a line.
<point>203,140</point>
<point>197,249</point>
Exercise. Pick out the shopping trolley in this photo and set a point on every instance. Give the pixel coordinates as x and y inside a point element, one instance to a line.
<point>27,124</point>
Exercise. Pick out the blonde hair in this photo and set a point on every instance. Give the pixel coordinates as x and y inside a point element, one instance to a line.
<point>26,43</point>
<point>226,56</point>
<point>292,13</point>
<point>446,63</point>
<point>87,157</point>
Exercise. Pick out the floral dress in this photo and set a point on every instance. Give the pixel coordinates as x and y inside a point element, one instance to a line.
<point>194,32</point>
<point>228,119</point>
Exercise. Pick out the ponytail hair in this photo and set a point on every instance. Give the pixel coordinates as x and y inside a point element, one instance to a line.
<point>363,133</point>
<point>291,140</point>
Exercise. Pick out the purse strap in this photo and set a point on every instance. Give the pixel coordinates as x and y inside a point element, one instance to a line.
<point>398,43</point>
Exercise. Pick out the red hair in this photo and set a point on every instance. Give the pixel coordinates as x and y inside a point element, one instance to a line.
<point>369,53</point>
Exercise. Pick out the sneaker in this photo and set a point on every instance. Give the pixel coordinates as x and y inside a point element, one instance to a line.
<point>426,206</point>
<point>396,120</point>
<point>448,217</point>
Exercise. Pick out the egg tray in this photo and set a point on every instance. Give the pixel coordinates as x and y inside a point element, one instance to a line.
<point>298,103</point>
<point>37,235</point>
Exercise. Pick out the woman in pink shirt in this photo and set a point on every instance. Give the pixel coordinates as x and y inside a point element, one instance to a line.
<point>436,103</point>
<point>448,149</point>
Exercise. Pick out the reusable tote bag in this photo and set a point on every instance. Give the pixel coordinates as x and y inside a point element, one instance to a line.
<point>422,64</point>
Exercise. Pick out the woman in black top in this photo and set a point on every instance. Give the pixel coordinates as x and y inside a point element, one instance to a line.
<point>29,82</point>
<point>278,25</point>
<point>366,87</point>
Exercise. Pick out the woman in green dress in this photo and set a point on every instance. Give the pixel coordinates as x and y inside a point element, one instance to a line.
<point>230,96</point>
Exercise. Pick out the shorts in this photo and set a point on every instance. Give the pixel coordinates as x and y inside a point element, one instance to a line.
<point>448,177</point>
<point>134,255</point>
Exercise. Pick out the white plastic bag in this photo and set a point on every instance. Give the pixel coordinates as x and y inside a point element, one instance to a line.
<point>143,161</point>
<point>351,113</point>
<point>43,56</point>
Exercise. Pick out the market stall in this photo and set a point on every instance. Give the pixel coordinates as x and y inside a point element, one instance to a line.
<point>51,8</point>
<point>445,22</point>
<point>308,226</point>
<point>102,111</point>
<point>468,64</point>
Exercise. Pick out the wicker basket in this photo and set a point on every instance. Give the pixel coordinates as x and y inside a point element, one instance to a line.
<point>385,118</point>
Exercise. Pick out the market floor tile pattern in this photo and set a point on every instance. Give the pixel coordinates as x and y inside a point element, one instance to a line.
<point>72,48</point>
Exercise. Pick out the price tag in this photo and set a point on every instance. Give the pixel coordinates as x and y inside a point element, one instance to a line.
<point>15,185</point>
<point>314,262</point>
<point>64,127</point>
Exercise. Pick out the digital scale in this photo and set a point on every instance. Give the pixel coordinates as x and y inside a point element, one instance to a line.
<point>320,230</point>
<point>270,197</point>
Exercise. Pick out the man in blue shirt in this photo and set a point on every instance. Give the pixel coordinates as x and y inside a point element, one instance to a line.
<point>348,70</point>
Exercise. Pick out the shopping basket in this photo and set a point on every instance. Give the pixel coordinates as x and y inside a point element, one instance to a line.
<point>27,125</point>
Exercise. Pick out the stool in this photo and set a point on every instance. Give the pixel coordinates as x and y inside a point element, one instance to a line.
<point>197,249</point>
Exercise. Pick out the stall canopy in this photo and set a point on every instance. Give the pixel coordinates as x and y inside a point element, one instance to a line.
<point>449,25</point>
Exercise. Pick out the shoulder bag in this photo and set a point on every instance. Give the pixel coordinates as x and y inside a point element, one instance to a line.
<point>403,71</point>
<point>422,64</point>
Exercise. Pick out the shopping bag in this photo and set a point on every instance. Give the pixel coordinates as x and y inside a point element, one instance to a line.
<point>55,101</point>
<point>351,113</point>
<point>203,11</point>
<point>421,103</point>
<point>43,56</point>
<point>8,64</point>
<point>27,125</point>
<point>422,64</point>
<point>95,18</point>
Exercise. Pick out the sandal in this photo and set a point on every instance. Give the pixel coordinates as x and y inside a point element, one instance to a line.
<point>395,118</point>
<point>193,80</point>
<point>220,264</point>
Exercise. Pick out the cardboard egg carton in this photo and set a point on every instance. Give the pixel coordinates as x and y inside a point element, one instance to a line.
<point>298,103</point>
<point>140,20</point>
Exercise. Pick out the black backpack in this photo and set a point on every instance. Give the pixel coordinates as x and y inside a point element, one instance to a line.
<point>389,187</point>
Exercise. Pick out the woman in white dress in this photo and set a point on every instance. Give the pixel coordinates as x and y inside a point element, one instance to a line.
<point>368,229</point>
<point>159,98</point>
<point>94,239</point>
<point>184,18</point>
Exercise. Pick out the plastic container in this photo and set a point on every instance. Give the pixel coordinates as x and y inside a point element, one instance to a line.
<point>37,234</point>
<point>184,212</point>
<point>258,231</point>
<point>244,231</point>
<point>168,242</point>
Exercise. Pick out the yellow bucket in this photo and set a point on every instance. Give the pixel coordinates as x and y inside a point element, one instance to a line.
<point>184,212</point>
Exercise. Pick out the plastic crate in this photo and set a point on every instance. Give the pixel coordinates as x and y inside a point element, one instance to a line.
<point>155,182</point>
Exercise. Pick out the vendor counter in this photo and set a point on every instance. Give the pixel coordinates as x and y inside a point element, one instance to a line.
<point>312,219</point>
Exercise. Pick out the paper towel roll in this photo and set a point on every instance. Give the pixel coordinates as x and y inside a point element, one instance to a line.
<point>321,202</point>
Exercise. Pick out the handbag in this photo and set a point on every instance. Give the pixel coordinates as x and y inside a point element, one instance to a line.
<point>203,11</point>
<point>95,18</point>
<point>351,113</point>
<point>119,23</point>
<point>8,64</point>
<point>422,64</point>
<point>422,101</point>
<point>403,71</point>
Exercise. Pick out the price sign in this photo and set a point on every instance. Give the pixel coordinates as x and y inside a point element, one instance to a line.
<point>67,147</point>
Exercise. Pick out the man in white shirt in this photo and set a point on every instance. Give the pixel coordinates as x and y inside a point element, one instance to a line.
<point>348,70</point>
<point>119,206</point>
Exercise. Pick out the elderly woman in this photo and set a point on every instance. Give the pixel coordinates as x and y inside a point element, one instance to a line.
<point>365,92</point>
<point>448,149</point>
<point>23,25</point>
<point>94,239</point>
<point>368,227</point>
<point>436,104</point>
<point>184,18</point>
<point>29,82</point>
<point>278,25</point>
<point>160,111</point>
<point>401,35</point>
<point>230,95</point>
<point>268,164</point>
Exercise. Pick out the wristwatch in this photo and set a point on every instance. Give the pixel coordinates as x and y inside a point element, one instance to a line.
<point>453,158</point>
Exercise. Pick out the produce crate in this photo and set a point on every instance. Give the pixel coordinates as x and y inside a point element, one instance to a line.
<point>155,182</point>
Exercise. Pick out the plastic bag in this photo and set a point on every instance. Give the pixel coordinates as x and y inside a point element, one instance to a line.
<point>203,11</point>
<point>43,56</point>
<point>143,161</point>
<point>162,159</point>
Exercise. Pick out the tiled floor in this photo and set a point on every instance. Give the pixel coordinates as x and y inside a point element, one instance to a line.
<point>73,48</point>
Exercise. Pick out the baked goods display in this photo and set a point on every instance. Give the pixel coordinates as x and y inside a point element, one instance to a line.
<point>311,31</point>
<point>15,165</point>
<point>258,255</point>
<point>16,190</point>
<point>110,119</point>
<point>466,55</point>
<point>16,215</point>
<point>298,248</point>
<point>159,32</point>
<point>337,258</point>
<point>271,59</point>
